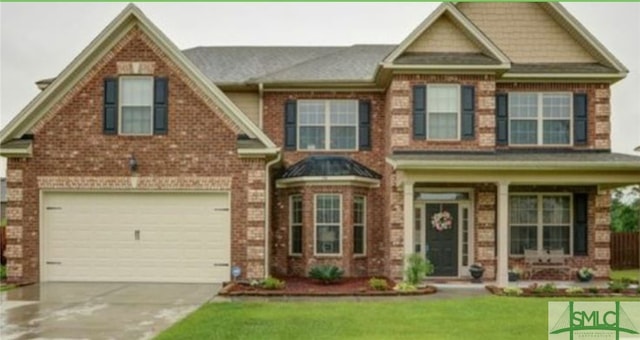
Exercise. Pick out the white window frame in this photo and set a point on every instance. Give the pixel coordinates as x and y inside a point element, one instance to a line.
<point>540,222</point>
<point>292,198</point>
<point>120,105</point>
<point>315,226</point>
<point>459,113</point>
<point>327,126</point>
<point>363,225</point>
<point>540,119</point>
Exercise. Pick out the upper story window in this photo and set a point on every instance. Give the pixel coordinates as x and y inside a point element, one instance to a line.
<point>136,105</point>
<point>327,124</point>
<point>335,124</point>
<point>540,118</point>
<point>443,112</point>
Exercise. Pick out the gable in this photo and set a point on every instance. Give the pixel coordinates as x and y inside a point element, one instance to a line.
<point>88,62</point>
<point>445,37</point>
<point>525,32</point>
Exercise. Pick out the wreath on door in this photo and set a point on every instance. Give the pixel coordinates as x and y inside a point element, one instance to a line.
<point>442,221</point>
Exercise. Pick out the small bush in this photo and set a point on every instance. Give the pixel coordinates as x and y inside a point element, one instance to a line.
<point>3,272</point>
<point>545,288</point>
<point>327,274</point>
<point>405,287</point>
<point>417,269</point>
<point>272,283</point>
<point>617,286</point>
<point>638,289</point>
<point>378,284</point>
<point>575,290</point>
<point>512,291</point>
<point>593,290</point>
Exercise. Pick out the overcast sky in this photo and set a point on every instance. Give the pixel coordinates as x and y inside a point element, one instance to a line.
<point>37,40</point>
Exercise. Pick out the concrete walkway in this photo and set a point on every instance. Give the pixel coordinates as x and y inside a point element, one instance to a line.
<point>97,310</point>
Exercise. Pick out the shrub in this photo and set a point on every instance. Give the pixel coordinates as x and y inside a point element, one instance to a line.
<point>545,288</point>
<point>575,290</point>
<point>638,289</point>
<point>3,272</point>
<point>617,286</point>
<point>378,284</point>
<point>512,291</point>
<point>417,269</point>
<point>325,273</point>
<point>593,290</point>
<point>272,283</point>
<point>405,287</point>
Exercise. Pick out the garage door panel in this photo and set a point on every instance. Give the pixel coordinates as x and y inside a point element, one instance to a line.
<point>148,237</point>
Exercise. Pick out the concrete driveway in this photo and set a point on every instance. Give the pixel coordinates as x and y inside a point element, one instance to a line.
<point>97,310</point>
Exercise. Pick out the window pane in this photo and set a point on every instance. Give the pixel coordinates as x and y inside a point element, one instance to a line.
<point>327,209</point>
<point>555,132</point>
<point>556,210</point>
<point>443,125</point>
<point>523,132</point>
<point>556,237</point>
<point>442,98</point>
<point>343,112</point>
<point>358,210</point>
<point>523,209</point>
<point>343,137</point>
<point>136,120</point>
<point>523,105</point>
<point>328,239</point>
<point>523,238</point>
<point>296,239</point>
<point>311,138</point>
<point>296,210</point>
<point>311,112</point>
<point>556,105</point>
<point>136,91</point>
<point>358,239</point>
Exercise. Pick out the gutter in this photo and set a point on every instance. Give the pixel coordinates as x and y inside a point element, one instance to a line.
<point>267,215</point>
<point>507,165</point>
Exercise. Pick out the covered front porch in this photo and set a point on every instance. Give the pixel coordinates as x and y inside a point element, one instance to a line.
<point>488,208</point>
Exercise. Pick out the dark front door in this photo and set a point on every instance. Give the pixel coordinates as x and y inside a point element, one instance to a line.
<point>442,238</point>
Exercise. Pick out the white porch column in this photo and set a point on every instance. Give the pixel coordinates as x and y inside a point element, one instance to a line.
<point>502,226</point>
<point>408,218</point>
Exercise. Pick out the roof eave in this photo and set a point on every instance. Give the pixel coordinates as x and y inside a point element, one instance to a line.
<point>498,67</point>
<point>327,181</point>
<point>511,165</point>
<point>612,77</point>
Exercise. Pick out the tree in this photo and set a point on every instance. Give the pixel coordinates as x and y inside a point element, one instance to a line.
<point>625,209</point>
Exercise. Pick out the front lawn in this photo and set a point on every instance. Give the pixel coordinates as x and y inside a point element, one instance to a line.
<point>487,317</point>
<point>633,274</point>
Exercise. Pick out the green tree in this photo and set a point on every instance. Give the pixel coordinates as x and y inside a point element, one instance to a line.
<point>625,209</point>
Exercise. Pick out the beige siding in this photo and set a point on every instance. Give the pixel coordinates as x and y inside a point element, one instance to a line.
<point>443,36</point>
<point>525,32</point>
<point>248,102</point>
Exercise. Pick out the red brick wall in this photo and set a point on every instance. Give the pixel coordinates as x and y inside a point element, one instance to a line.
<point>70,142</point>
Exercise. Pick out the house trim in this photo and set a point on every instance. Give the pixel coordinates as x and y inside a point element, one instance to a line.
<point>327,181</point>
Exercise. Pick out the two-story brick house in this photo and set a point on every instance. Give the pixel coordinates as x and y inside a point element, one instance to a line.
<point>468,142</point>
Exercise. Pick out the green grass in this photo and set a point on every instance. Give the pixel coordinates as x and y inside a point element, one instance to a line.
<point>487,317</point>
<point>633,274</point>
<point>4,288</point>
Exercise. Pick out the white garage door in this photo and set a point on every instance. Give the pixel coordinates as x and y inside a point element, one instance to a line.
<point>145,237</point>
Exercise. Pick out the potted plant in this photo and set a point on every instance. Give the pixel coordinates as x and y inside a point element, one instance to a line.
<point>514,274</point>
<point>476,270</point>
<point>585,274</point>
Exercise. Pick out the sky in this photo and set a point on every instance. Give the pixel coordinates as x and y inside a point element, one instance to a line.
<point>37,40</point>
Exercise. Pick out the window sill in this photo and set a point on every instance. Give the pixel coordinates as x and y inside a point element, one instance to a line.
<point>360,256</point>
<point>325,151</point>
<point>296,255</point>
<point>328,256</point>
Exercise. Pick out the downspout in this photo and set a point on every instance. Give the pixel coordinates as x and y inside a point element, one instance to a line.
<point>267,215</point>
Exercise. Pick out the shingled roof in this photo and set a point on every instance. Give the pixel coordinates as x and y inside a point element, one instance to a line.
<point>327,166</point>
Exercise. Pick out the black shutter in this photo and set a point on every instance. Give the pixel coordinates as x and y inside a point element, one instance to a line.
<point>364,125</point>
<point>468,112</point>
<point>502,119</point>
<point>419,112</point>
<point>580,109</point>
<point>580,223</point>
<point>290,116</point>
<point>160,106</point>
<point>110,115</point>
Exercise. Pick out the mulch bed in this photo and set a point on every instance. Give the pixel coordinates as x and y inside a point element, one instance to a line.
<point>561,292</point>
<point>301,286</point>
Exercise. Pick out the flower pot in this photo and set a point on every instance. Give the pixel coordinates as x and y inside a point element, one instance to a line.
<point>476,273</point>
<point>584,278</point>
<point>513,277</point>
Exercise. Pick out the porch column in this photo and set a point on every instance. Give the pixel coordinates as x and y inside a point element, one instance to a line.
<point>408,218</point>
<point>502,276</point>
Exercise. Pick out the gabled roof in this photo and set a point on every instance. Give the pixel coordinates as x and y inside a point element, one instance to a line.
<point>131,16</point>
<point>448,9</point>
